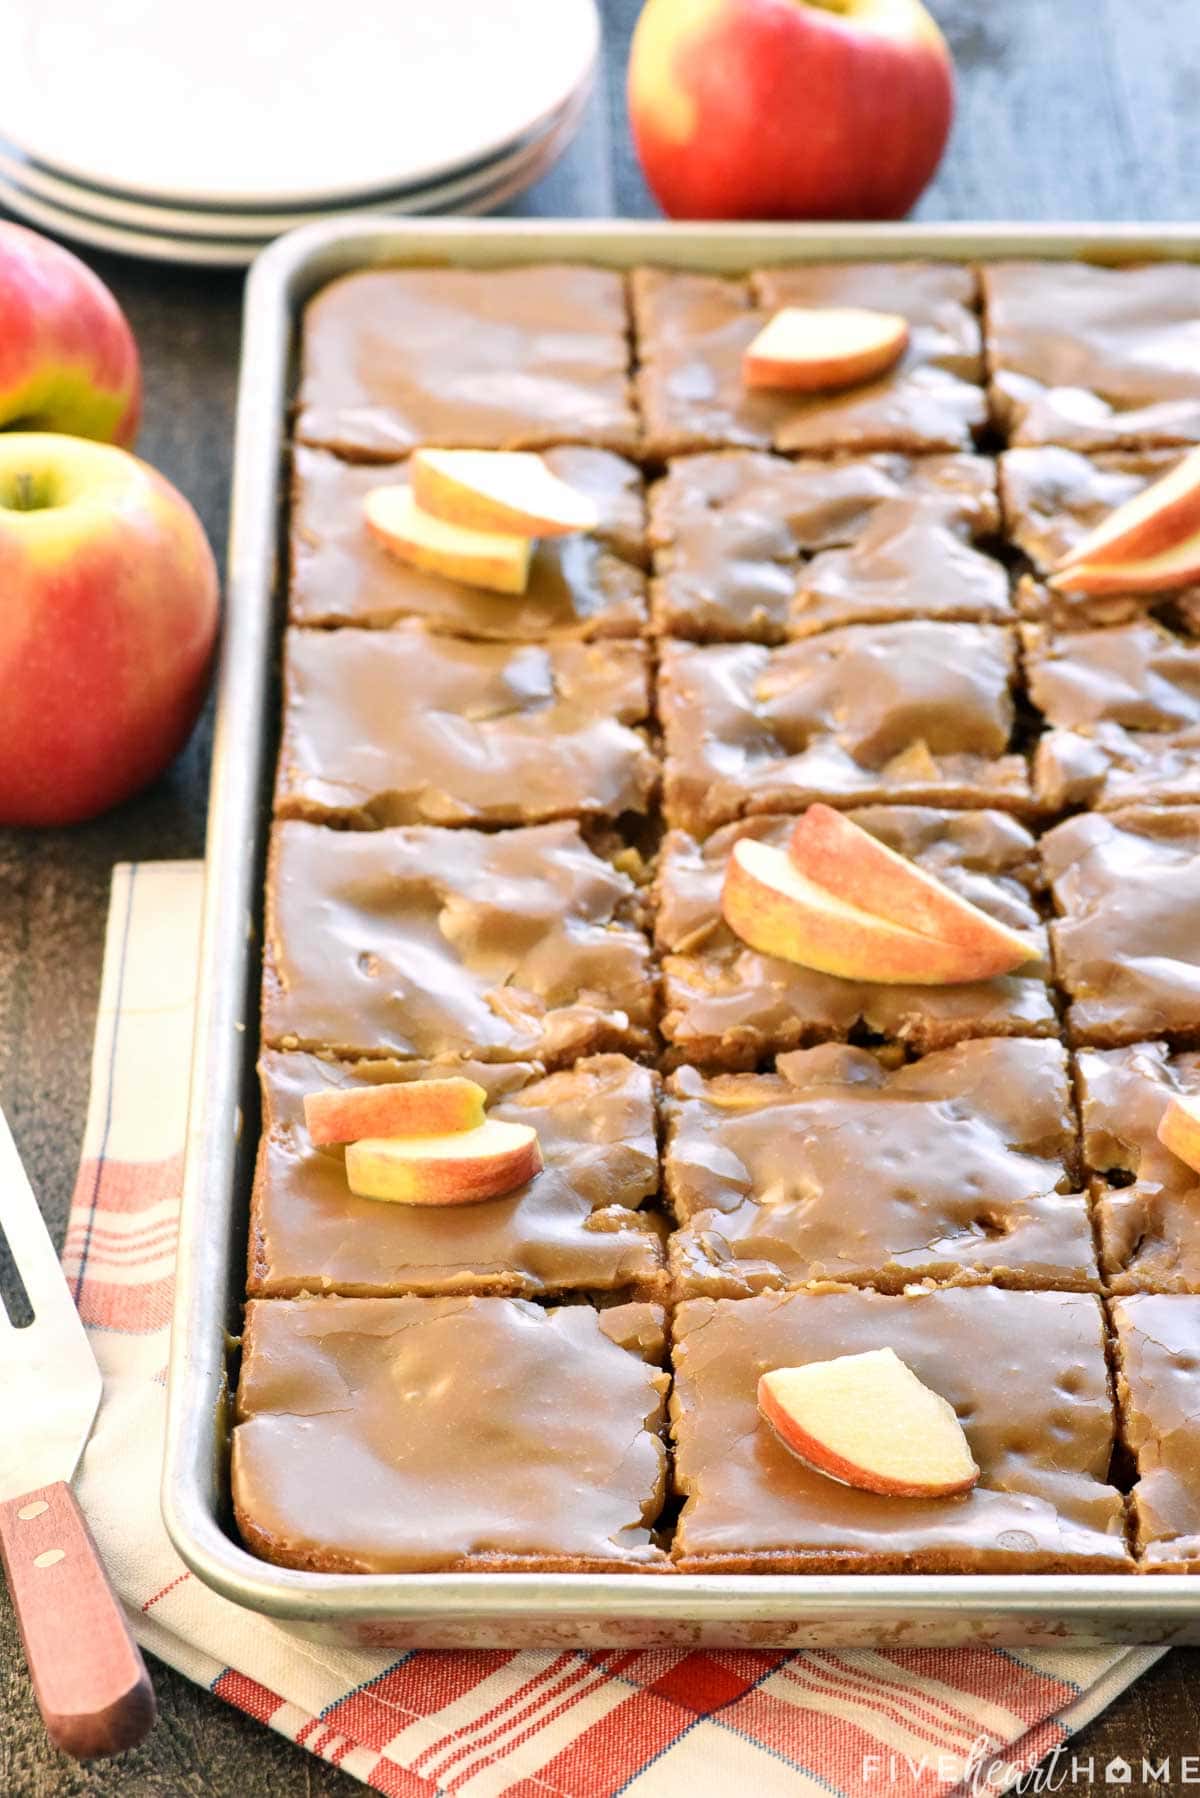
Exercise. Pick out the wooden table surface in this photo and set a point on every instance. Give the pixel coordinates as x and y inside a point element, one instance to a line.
<point>1068,109</point>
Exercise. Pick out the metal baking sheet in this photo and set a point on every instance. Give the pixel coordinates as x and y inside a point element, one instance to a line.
<point>487,1610</point>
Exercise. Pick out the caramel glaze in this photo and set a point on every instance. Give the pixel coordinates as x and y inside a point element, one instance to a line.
<point>452,1434</point>
<point>918,713</point>
<point>576,1227</point>
<point>1094,358</point>
<point>728,1006</point>
<point>404,727</point>
<point>1158,1359</point>
<point>692,330</point>
<point>1026,1373</point>
<point>959,1167</point>
<point>419,942</point>
<point>1124,707</point>
<point>579,587</point>
<point>754,547</point>
<point>1149,1231</point>
<point>1126,886</point>
<point>506,358</point>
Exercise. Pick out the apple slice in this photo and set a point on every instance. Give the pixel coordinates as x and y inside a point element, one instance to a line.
<point>488,559</point>
<point>850,863</point>
<point>868,1421</point>
<point>445,1170</point>
<point>774,908</point>
<point>1179,1129</point>
<point>814,349</point>
<point>1150,524</point>
<point>511,491</point>
<point>403,1108</point>
<point>1172,569</point>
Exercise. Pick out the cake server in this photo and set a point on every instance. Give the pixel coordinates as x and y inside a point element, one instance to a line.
<point>89,1678</point>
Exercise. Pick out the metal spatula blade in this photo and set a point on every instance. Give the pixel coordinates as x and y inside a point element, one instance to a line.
<point>48,1373</point>
<point>90,1680</point>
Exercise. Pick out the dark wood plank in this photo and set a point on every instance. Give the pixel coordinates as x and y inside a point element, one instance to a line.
<point>1068,109</point>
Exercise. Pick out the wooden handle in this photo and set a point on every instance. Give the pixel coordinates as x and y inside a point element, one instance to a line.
<point>90,1680</point>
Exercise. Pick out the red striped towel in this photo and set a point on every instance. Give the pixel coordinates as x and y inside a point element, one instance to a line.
<point>501,1724</point>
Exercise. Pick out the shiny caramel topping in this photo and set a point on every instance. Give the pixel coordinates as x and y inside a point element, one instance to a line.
<point>1024,1371</point>
<point>398,1435</point>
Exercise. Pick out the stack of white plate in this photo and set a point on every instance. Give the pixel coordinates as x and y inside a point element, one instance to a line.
<point>197,134</point>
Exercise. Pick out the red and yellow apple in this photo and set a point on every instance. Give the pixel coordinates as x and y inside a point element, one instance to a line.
<point>777,109</point>
<point>108,617</point>
<point>1179,1128</point>
<point>338,1114</point>
<point>68,361</point>
<point>868,1421</point>
<point>776,909</point>
<point>510,491</point>
<point>459,1169</point>
<point>493,560</point>
<point>847,861</point>
<point>814,349</point>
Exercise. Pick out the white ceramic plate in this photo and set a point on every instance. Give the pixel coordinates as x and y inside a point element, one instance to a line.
<point>218,252</point>
<point>271,103</point>
<point>17,171</point>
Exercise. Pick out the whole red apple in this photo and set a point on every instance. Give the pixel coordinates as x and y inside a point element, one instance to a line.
<point>68,361</point>
<point>791,109</point>
<point>108,616</point>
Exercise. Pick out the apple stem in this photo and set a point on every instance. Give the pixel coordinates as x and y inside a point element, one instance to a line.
<point>23,494</point>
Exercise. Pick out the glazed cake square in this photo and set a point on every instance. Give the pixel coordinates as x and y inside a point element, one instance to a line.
<point>918,713</point>
<point>691,331</point>
<point>1158,1359</point>
<point>577,1226</point>
<point>1126,943</point>
<point>932,399</point>
<point>728,1006</point>
<point>1123,706</point>
<point>1094,358</point>
<point>579,587</point>
<point>452,1434</point>
<point>406,727</point>
<point>753,547</point>
<point>961,1167</point>
<point>417,942</point>
<point>1146,1201</point>
<point>1025,1372</point>
<point>497,358</point>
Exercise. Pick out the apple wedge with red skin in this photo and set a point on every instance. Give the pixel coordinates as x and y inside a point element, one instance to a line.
<point>1153,523</point>
<point>1179,1129</point>
<point>847,861</point>
<point>456,1169</point>
<point>509,491</point>
<point>338,1114</point>
<point>1167,572</point>
<point>867,1421</point>
<point>821,349</point>
<point>774,908</point>
<point>490,559</point>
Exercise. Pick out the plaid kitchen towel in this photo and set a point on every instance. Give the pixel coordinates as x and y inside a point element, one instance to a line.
<point>494,1724</point>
